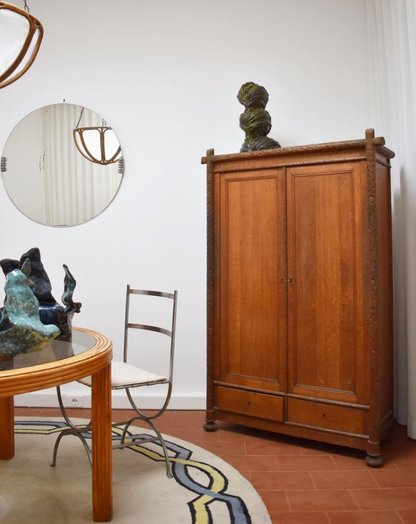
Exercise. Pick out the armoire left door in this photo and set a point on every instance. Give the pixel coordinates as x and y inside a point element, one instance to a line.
<point>251,290</point>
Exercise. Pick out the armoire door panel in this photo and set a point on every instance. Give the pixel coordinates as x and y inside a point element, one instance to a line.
<point>325,266</point>
<point>253,280</point>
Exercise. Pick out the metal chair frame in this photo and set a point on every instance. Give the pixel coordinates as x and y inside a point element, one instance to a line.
<point>133,440</point>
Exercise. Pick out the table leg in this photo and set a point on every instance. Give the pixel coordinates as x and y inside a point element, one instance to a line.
<point>7,428</point>
<point>102,477</point>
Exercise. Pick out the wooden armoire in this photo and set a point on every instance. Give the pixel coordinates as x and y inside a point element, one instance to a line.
<point>299,298</point>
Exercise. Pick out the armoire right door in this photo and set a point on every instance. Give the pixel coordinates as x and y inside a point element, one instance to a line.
<point>326,253</point>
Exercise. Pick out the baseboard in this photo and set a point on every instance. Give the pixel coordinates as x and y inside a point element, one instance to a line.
<point>48,399</point>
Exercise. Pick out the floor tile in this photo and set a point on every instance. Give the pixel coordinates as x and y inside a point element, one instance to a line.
<point>321,463</point>
<point>357,461</point>
<point>343,479</point>
<point>223,449</point>
<point>245,463</point>
<point>121,415</point>
<point>320,448</point>
<point>399,430</point>
<point>193,434</point>
<point>404,460</point>
<point>27,412</point>
<point>166,424</point>
<point>143,424</point>
<point>395,479</point>
<point>282,481</point>
<point>411,444</point>
<point>56,412</point>
<point>401,433</point>
<point>191,418</point>
<point>408,516</point>
<point>364,517</point>
<point>354,461</point>
<point>275,500</point>
<point>168,414</point>
<point>234,432</point>
<point>163,423</point>
<point>296,517</point>
<point>328,500</point>
<point>257,446</point>
<point>378,499</point>
<point>395,445</point>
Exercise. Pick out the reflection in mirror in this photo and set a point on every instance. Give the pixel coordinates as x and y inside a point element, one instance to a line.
<point>97,144</point>
<point>47,177</point>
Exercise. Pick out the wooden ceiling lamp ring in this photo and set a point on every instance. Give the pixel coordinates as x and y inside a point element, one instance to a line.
<point>34,26</point>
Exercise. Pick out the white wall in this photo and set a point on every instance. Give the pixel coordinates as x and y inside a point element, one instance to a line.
<point>166,75</point>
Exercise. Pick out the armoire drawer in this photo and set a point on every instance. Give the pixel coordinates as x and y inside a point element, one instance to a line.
<point>249,403</point>
<point>328,416</point>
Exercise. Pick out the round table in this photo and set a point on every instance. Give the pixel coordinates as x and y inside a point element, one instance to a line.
<point>89,353</point>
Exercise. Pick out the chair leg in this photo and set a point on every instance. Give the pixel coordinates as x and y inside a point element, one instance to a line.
<point>71,430</point>
<point>126,427</point>
<point>148,420</point>
<point>158,438</point>
<point>77,433</point>
<point>165,450</point>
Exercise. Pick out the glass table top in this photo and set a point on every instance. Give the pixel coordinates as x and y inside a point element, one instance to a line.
<point>56,350</point>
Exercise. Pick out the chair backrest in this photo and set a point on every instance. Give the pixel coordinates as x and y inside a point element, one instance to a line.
<point>168,332</point>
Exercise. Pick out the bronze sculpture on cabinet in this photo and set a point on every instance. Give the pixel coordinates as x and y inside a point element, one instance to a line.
<point>256,122</point>
<point>299,296</point>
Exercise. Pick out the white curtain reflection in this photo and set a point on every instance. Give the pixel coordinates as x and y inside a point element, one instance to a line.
<point>75,190</point>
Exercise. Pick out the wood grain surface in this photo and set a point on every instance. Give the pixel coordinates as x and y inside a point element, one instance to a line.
<point>300,291</point>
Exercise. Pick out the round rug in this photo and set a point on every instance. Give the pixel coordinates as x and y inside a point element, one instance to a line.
<point>204,490</point>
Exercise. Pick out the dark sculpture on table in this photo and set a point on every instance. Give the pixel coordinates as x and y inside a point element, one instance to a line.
<point>256,122</point>
<point>28,288</point>
<point>21,330</point>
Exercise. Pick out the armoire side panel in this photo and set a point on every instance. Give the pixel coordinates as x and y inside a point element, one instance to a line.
<point>253,283</point>
<point>325,267</point>
<point>385,291</point>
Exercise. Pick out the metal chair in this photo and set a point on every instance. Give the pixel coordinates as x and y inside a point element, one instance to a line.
<point>127,376</point>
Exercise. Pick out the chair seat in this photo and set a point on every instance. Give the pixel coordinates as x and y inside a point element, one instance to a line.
<point>124,375</point>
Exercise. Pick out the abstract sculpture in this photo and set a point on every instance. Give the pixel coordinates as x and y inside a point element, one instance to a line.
<point>35,286</point>
<point>256,122</point>
<point>21,330</point>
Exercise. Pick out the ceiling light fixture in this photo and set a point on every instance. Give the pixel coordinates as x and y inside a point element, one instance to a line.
<point>20,38</point>
<point>98,144</point>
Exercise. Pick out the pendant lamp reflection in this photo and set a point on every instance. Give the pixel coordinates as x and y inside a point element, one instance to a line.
<point>20,38</point>
<point>98,144</point>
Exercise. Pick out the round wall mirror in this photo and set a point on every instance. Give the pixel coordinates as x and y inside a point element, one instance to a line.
<point>62,165</point>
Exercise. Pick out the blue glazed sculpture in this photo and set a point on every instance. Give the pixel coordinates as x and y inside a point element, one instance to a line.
<point>50,311</point>
<point>21,330</point>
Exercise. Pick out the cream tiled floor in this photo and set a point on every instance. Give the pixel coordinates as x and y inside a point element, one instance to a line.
<point>302,482</point>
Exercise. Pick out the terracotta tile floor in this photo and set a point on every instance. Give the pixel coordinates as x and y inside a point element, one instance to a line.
<point>300,481</point>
